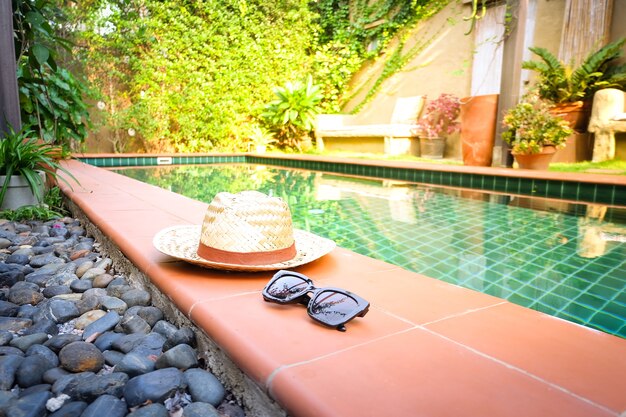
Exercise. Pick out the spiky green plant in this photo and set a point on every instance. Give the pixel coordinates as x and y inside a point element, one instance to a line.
<point>291,116</point>
<point>22,154</point>
<point>560,83</point>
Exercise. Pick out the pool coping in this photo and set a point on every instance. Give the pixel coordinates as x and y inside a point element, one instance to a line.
<point>425,348</point>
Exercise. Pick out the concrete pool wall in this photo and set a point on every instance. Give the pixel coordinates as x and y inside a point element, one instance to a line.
<point>425,347</point>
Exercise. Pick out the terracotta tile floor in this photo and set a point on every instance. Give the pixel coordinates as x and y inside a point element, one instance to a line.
<point>426,348</point>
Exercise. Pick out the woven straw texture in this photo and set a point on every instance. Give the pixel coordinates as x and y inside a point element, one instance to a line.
<point>181,242</point>
<point>247,222</point>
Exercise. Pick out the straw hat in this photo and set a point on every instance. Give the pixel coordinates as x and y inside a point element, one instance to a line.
<point>248,231</point>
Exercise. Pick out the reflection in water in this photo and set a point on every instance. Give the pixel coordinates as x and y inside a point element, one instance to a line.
<point>565,259</point>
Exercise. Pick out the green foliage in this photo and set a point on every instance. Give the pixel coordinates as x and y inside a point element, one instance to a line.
<point>21,154</point>
<point>531,126</point>
<point>40,212</point>
<point>292,114</point>
<point>189,76</point>
<point>51,98</point>
<point>560,83</point>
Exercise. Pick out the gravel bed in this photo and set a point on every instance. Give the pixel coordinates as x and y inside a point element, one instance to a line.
<point>76,340</point>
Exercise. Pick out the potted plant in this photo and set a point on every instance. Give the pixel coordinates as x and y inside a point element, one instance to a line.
<point>24,163</point>
<point>571,89</point>
<point>440,119</point>
<point>534,132</point>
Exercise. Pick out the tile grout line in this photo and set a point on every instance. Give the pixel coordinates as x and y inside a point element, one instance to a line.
<point>523,372</point>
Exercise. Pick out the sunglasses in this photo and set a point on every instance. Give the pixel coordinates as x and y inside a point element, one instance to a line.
<point>331,307</point>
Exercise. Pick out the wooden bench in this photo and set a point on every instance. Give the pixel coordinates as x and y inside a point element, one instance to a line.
<point>351,133</point>
<point>607,117</point>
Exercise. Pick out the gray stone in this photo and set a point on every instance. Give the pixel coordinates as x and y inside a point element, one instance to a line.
<point>56,343</point>
<point>151,315</point>
<point>87,318</point>
<point>8,309</point>
<point>182,357</point>
<point>6,399</point>
<point>10,350</point>
<point>17,259</point>
<point>33,389</point>
<point>199,409</point>
<point>10,277</point>
<point>136,297</point>
<point>155,386</point>
<point>103,324</point>
<point>80,285</point>
<point>23,296</point>
<point>97,385</point>
<point>101,281</point>
<point>106,405</point>
<point>43,326</point>
<point>151,344</point>
<point>24,342</point>
<point>63,278</point>
<point>118,290</point>
<point>68,268</point>
<point>59,311</point>
<point>33,405</point>
<point>14,324</point>
<point>47,258</point>
<point>61,232</point>
<point>67,384</point>
<point>53,374</point>
<point>134,364</point>
<point>81,357</point>
<point>48,270</point>
<point>71,409</point>
<point>104,264</point>
<point>27,311</point>
<point>135,324</point>
<point>55,290</point>
<point>5,337</point>
<point>128,342</point>
<point>182,336</point>
<point>150,410</point>
<point>95,292</point>
<point>44,352</point>
<point>90,274</point>
<point>118,281</point>
<point>8,368</point>
<point>31,370</point>
<point>165,328</point>
<point>106,339</point>
<point>87,304</point>
<point>113,357</point>
<point>82,268</point>
<point>4,243</point>
<point>204,386</point>
<point>113,304</point>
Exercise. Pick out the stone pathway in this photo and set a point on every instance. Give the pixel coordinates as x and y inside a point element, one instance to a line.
<point>76,340</point>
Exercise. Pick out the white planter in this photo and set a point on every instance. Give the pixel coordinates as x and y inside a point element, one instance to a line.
<point>19,193</point>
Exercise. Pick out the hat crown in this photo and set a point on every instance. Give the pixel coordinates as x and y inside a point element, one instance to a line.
<point>247,222</point>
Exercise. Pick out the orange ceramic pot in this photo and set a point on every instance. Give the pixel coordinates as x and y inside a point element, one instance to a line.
<point>539,160</point>
<point>478,129</point>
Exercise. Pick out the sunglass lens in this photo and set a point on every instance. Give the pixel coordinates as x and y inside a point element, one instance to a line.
<point>287,288</point>
<point>333,308</point>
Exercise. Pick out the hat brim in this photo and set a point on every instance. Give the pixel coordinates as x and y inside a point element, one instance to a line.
<point>181,242</point>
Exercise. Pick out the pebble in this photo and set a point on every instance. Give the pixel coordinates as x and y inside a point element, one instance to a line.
<point>81,357</point>
<point>76,340</point>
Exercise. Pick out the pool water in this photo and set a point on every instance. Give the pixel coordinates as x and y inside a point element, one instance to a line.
<point>558,257</point>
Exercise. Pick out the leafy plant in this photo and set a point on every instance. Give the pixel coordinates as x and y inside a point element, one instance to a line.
<point>21,154</point>
<point>531,126</point>
<point>560,83</point>
<point>292,114</point>
<point>440,117</point>
<point>51,98</point>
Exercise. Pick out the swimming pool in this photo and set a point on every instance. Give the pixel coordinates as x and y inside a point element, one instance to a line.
<point>558,257</point>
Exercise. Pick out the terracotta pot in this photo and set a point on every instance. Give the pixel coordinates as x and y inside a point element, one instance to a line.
<point>478,128</point>
<point>539,160</point>
<point>576,114</point>
<point>432,148</point>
